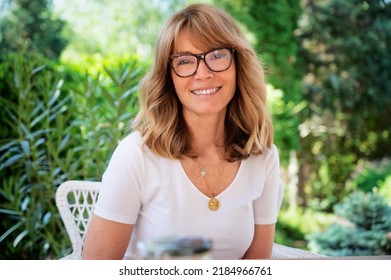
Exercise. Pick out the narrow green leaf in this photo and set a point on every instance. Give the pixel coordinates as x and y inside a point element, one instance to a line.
<point>12,115</point>
<point>25,147</point>
<point>60,104</point>
<point>11,230</point>
<point>16,80</point>
<point>124,76</point>
<point>136,73</point>
<point>25,131</point>
<point>39,142</point>
<point>41,132</point>
<point>19,238</point>
<point>25,204</point>
<point>64,141</point>
<point>54,97</point>
<point>11,161</point>
<point>38,107</point>
<point>130,91</point>
<point>9,145</point>
<point>46,218</point>
<point>9,212</point>
<point>108,97</point>
<point>112,75</point>
<point>38,69</point>
<point>38,119</point>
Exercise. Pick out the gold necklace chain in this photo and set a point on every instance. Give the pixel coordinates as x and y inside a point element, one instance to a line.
<point>214,203</point>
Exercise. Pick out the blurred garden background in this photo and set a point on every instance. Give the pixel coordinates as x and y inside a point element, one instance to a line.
<point>69,72</point>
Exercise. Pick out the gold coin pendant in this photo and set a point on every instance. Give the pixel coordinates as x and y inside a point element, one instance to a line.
<point>214,204</point>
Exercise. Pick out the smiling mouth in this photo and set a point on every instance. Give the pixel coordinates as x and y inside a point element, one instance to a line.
<point>206,91</point>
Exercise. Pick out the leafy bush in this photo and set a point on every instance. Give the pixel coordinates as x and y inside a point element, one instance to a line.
<point>365,220</point>
<point>370,175</point>
<point>56,126</point>
<point>36,149</point>
<point>30,24</point>
<point>385,188</point>
<point>295,224</point>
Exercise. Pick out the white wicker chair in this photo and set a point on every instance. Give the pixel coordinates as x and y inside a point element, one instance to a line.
<point>76,200</point>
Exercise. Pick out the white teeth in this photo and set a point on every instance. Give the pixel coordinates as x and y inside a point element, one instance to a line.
<point>205,91</point>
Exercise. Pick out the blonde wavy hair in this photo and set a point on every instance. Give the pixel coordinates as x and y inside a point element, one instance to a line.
<point>248,125</point>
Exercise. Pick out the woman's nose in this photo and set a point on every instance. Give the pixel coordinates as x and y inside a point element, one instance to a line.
<point>203,72</point>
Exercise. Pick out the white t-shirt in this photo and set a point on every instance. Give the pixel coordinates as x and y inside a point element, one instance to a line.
<point>154,193</point>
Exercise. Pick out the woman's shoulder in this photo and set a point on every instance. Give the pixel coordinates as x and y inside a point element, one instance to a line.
<point>268,155</point>
<point>130,144</point>
<point>272,151</point>
<point>268,152</point>
<point>133,138</point>
<point>133,145</point>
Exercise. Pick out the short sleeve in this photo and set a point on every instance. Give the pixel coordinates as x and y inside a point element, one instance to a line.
<point>120,195</point>
<point>266,207</point>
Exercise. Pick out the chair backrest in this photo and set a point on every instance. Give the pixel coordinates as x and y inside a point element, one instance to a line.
<point>76,201</point>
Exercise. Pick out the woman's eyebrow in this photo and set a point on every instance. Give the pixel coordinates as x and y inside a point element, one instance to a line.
<point>183,53</point>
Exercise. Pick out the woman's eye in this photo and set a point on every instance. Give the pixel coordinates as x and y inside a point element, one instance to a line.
<point>219,55</point>
<point>183,61</point>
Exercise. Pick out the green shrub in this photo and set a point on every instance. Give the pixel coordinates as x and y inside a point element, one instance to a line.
<point>370,175</point>
<point>365,220</point>
<point>295,224</point>
<point>36,154</point>
<point>57,125</point>
<point>385,188</point>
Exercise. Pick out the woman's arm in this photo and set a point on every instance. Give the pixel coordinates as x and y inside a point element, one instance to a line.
<point>106,240</point>
<point>262,245</point>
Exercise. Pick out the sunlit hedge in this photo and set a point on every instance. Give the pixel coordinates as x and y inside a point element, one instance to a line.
<point>57,124</point>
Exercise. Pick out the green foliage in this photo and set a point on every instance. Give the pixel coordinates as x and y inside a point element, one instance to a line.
<point>113,27</point>
<point>272,24</point>
<point>35,116</point>
<point>352,66</point>
<point>362,231</point>
<point>285,116</point>
<point>371,175</point>
<point>30,24</point>
<point>107,103</point>
<point>366,211</point>
<point>385,188</point>
<point>52,133</point>
<point>347,88</point>
<point>295,224</point>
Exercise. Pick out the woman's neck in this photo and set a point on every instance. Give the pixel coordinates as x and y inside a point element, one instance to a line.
<point>207,136</point>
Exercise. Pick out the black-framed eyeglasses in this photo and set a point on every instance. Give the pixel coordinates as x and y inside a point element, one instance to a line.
<point>186,65</point>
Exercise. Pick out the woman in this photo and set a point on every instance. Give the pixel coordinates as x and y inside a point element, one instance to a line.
<point>201,159</point>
